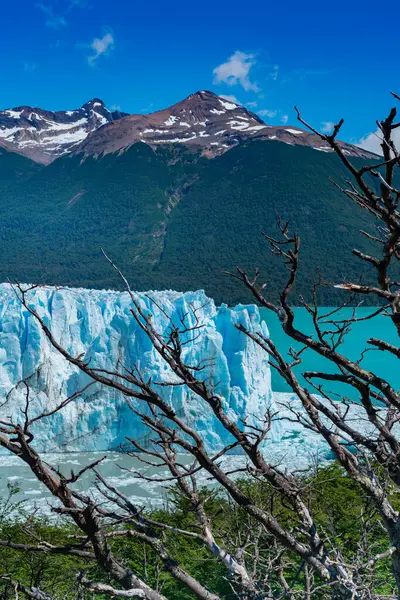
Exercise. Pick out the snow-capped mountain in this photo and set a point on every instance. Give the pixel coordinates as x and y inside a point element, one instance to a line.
<point>43,135</point>
<point>203,120</point>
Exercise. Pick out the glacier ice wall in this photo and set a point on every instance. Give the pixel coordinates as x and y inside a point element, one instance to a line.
<point>99,325</point>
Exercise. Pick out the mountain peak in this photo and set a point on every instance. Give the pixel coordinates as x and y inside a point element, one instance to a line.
<point>209,97</point>
<point>204,121</point>
<point>203,95</point>
<point>44,135</point>
<point>92,103</point>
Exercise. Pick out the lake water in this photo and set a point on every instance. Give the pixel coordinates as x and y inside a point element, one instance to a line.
<point>120,470</point>
<point>295,444</point>
<point>382,363</point>
<point>33,493</point>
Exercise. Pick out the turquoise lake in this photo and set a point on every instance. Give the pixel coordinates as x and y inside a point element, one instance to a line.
<point>382,363</point>
<point>32,493</point>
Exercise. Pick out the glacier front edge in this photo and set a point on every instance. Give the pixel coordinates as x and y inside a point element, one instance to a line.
<point>99,326</point>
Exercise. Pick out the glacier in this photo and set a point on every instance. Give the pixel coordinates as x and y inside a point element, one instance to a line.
<point>99,326</point>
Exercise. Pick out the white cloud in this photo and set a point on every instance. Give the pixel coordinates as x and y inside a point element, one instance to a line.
<point>115,107</point>
<point>267,113</point>
<point>100,46</point>
<point>284,119</point>
<point>372,141</point>
<point>251,104</point>
<point>235,71</point>
<point>53,20</point>
<point>327,127</point>
<point>230,98</point>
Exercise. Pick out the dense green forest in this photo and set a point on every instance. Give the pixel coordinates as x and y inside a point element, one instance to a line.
<point>172,219</point>
<point>345,515</point>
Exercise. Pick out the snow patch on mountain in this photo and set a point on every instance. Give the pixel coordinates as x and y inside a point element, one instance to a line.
<point>203,120</point>
<point>44,135</point>
<point>228,105</point>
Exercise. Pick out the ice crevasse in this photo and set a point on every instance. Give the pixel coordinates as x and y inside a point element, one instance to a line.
<point>99,326</point>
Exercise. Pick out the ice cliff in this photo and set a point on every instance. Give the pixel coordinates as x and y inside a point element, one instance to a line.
<point>99,325</point>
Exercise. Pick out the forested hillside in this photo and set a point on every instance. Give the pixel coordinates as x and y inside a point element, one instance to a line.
<point>173,219</point>
<point>218,224</point>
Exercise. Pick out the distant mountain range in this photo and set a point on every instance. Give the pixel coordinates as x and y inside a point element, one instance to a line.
<point>203,120</point>
<point>176,198</point>
<point>43,135</point>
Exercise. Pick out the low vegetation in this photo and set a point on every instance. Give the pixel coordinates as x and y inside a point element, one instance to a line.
<point>347,517</point>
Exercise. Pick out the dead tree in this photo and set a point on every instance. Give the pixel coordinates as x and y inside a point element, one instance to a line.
<point>321,565</point>
<point>377,456</point>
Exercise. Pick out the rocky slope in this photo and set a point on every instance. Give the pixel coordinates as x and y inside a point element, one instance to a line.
<point>43,135</point>
<point>202,121</point>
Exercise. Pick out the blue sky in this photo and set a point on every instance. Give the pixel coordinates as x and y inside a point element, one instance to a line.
<point>332,59</point>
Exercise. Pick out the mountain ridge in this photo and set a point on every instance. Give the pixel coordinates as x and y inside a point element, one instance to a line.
<point>168,215</point>
<point>202,121</point>
<point>44,135</point>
